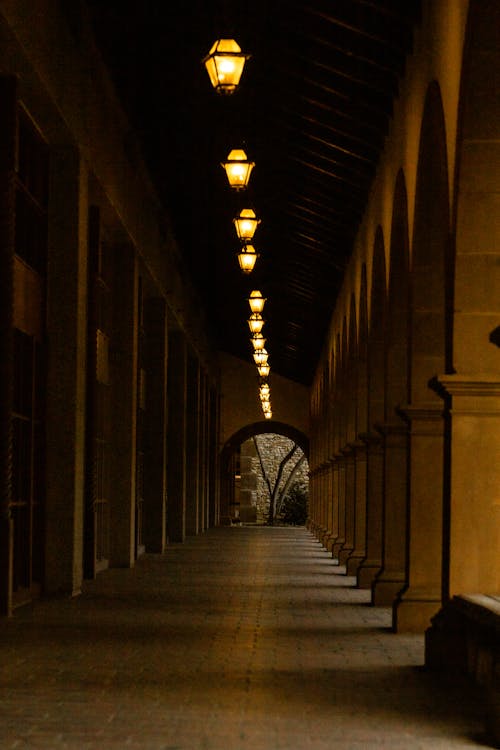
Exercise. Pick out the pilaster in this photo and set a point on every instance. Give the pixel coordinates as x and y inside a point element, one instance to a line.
<point>155,458</point>
<point>67,278</point>
<point>474,504</point>
<point>350,498</point>
<point>392,577</point>
<point>123,361</point>
<point>176,436</point>
<point>422,597</point>
<point>359,552</point>
<point>372,561</point>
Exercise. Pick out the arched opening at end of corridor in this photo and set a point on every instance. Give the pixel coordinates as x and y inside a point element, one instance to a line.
<point>265,476</point>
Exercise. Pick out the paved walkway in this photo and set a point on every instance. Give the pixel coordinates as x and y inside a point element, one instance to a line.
<point>239,639</point>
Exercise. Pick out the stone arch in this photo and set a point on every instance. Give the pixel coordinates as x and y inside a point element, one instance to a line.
<point>397,373</point>
<point>430,268</point>
<point>231,445</point>
<point>351,370</point>
<point>477,260</point>
<point>392,576</point>
<point>471,386</point>
<point>362,358</point>
<point>376,333</point>
<point>376,392</point>
<point>430,275</point>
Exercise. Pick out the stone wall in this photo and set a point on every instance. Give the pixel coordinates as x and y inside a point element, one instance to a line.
<point>273,448</point>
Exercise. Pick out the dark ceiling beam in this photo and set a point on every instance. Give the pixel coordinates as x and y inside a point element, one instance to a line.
<point>366,144</point>
<point>331,175</point>
<point>389,41</point>
<point>379,129</point>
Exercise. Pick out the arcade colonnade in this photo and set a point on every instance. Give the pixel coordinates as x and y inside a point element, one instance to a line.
<point>405,406</point>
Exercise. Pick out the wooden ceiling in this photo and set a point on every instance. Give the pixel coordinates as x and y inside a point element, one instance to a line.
<point>312,110</point>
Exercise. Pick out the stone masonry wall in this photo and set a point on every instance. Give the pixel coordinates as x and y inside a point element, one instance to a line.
<point>273,448</point>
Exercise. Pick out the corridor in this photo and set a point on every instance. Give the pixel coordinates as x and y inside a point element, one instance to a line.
<point>243,638</point>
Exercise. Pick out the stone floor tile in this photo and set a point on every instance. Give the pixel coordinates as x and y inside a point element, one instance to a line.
<point>240,639</point>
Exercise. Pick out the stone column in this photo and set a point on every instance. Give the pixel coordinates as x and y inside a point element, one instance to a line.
<point>66,371</point>
<point>360,501</point>
<point>422,598</point>
<point>123,362</point>
<point>193,447</point>
<point>374,520</point>
<point>176,436</point>
<point>474,503</point>
<point>392,577</point>
<point>155,438</point>
<point>8,101</point>
<point>341,502</point>
<point>350,499</point>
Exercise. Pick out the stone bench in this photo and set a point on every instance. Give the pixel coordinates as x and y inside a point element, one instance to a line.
<point>465,637</point>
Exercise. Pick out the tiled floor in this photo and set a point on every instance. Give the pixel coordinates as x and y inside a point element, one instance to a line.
<point>240,639</point>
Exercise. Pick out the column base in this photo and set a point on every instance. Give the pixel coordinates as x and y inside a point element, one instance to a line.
<point>344,554</point>
<point>339,543</point>
<point>354,562</point>
<point>385,591</point>
<point>367,573</point>
<point>414,615</point>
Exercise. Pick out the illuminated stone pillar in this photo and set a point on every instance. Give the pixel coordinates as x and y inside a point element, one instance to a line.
<point>372,561</point>
<point>359,552</point>
<point>422,597</point>
<point>392,577</point>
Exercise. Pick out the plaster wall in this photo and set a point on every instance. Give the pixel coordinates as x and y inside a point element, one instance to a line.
<point>240,403</point>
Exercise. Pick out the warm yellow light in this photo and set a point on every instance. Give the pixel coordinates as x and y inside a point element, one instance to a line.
<point>255,323</point>
<point>238,168</point>
<point>258,342</point>
<point>246,223</point>
<point>265,389</point>
<point>224,64</point>
<point>256,301</point>
<point>266,406</point>
<point>260,357</point>
<point>247,257</point>
<point>268,414</point>
<point>264,369</point>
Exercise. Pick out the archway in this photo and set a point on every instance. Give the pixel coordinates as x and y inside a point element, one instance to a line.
<point>429,350</point>
<point>250,470</point>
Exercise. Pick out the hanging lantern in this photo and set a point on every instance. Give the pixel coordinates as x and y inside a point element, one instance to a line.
<point>264,369</point>
<point>255,323</point>
<point>256,301</point>
<point>268,414</point>
<point>246,223</point>
<point>260,357</point>
<point>265,391</point>
<point>238,168</point>
<point>258,341</point>
<point>247,257</point>
<point>266,406</point>
<point>224,64</point>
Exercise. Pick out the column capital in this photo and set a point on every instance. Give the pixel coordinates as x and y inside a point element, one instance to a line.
<point>388,429</point>
<point>470,394</point>
<point>371,439</point>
